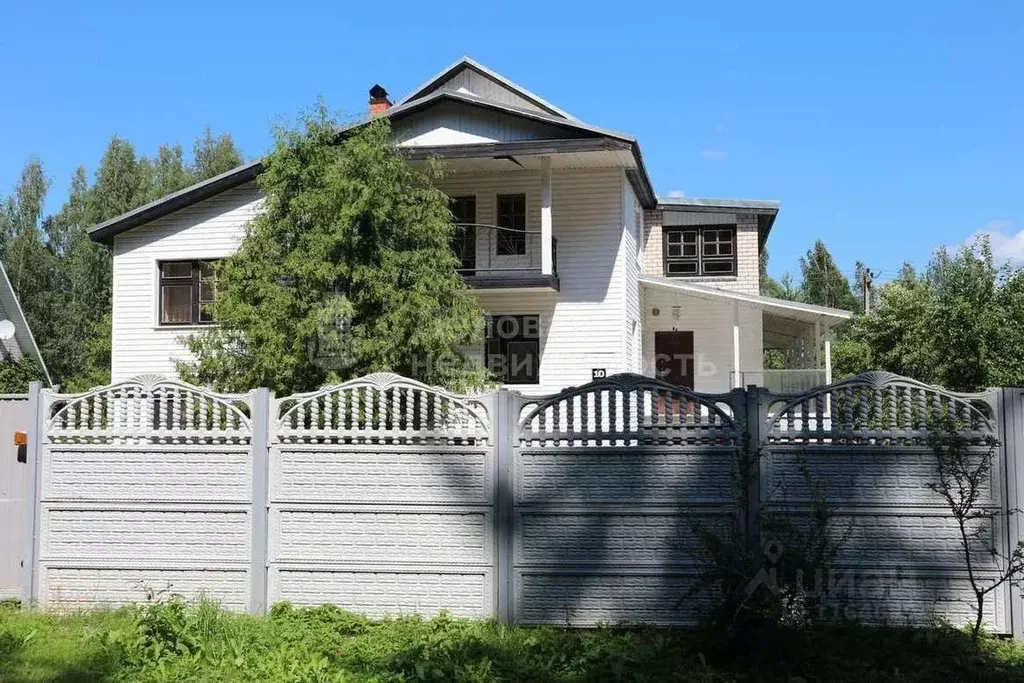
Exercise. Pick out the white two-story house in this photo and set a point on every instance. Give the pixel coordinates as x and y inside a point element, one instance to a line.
<point>582,269</point>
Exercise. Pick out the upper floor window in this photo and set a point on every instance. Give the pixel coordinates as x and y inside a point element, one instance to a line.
<point>708,250</point>
<point>512,221</point>
<point>187,292</point>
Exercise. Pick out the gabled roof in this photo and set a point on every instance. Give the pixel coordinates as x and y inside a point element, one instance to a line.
<point>469,63</point>
<point>408,106</point>
<point>22,332</point>
<point>423,97</point>
<point>193,194</point>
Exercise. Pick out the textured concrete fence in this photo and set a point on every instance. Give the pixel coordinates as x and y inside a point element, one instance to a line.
<point>382,499</point>
<point>140,486</point>
<point>863,446</point>
<point>386,496</point>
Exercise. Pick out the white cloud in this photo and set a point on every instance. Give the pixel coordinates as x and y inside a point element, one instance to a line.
<point>676,194</point>
<point>1007,242</point>
<point>713,154</point>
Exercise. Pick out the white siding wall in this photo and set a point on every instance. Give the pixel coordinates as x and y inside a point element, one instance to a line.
<point>711,323</point>
<point>630,256</point>
<point>453,124</point>
<point>207,230</point>
<point>582,324</point>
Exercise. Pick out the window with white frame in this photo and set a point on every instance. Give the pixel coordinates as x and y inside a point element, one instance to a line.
<point>707,250</point>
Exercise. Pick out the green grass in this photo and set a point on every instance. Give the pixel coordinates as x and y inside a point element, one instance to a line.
<point>173,641</point>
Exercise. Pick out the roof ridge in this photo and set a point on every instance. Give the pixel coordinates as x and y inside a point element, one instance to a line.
<point>468,62</point>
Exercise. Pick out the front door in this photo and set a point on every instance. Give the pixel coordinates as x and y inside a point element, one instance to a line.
<point>464,237</point>
<point>673,357</point>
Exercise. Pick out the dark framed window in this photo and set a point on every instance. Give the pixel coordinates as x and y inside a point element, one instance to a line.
<point>513,348</point>
<point>708,250</point>
<point>512,221</point>
<point>187,292</point>
<point>464,236</point>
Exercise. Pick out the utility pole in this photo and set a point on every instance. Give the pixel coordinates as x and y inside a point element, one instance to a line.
<point>865,289</point>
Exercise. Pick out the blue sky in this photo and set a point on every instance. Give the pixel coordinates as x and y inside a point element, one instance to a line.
<point>885,129</point>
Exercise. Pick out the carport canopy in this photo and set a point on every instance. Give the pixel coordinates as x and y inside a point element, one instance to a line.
<point>784,322</point>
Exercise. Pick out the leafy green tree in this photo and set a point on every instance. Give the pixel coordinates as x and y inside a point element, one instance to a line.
<point>823,283</point>
<point>960,324</point>
<point>348,270</point>
<point>964,316</point>
<point>770,286</point>
<point>167,172</point>
<point>25,256</point>
<point>214,155</point>
<point>16,374</point>
<point>62,278</point>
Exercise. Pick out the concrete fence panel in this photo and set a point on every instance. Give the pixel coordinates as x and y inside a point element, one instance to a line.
<point>386,496</point>
<point>863,447</point>
<point>382,499</point>
<point>613,483</point>
<point>142,487</point>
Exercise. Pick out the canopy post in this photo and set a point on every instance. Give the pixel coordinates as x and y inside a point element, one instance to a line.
<point>737,381</point>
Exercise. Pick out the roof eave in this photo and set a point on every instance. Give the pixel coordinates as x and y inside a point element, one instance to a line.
<point>23,333</point>
<point>765,209</point>
<point>106,231</point>
<point>835,316</point>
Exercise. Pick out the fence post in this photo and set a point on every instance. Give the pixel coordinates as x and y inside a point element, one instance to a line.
<point>756,414</point>
<point>1012,423</point>
<point>262,401</point>
<point>504,424</point>
<point>30,551</point>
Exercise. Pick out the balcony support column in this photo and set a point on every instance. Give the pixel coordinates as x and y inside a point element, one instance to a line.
<point>546,256</point>
<point>737,381</point>
<point>817,344</point>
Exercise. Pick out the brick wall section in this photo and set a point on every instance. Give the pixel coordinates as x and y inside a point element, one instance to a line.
<point>652,243</point>
<point>747,279</point>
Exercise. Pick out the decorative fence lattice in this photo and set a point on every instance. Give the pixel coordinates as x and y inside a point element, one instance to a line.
<point>380,409</point>
<point>877,408</point>
<point>148,409</point>
<point>628,410</point>
<point>384,495</point>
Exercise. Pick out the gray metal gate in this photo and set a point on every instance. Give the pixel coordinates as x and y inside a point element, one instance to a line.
<point>15,501</point>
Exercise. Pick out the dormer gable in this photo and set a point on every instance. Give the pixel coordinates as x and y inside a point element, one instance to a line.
<point>469,77</point>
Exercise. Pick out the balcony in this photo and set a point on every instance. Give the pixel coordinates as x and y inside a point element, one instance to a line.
<point>492,257</point>
<point>796,381</point>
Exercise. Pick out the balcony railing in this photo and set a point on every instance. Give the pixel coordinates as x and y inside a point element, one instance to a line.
<point>783,381</point>
<point>491,257</point>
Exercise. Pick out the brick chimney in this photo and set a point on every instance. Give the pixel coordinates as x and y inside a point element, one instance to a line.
<point>379,102</point>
